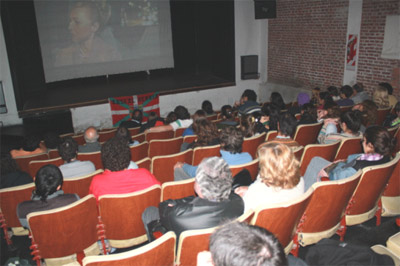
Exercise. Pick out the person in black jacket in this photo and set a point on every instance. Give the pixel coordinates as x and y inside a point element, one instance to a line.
<point>215,204</point>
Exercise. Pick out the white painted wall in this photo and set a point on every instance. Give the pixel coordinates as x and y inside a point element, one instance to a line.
<point>11,117</point>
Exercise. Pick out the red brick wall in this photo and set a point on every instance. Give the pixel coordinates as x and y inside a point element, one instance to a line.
<point>373,69</point>
<point>306,43</point>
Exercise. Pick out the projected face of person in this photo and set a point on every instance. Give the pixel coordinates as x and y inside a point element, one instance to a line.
<point>81,25</point>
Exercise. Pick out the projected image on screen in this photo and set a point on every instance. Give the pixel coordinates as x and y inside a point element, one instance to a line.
<point>102,37</point>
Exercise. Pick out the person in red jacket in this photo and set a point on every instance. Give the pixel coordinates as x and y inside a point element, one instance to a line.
<point>117,178</point>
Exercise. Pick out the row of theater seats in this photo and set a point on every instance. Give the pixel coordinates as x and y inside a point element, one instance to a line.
<point>325,209</point>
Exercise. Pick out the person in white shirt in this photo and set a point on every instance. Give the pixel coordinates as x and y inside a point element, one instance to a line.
<point>183,120</point>
<point>279,178</point>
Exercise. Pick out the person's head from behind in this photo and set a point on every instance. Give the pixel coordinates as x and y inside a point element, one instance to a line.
<point>231,139</point>
<point>358,87</point>
<point>249,95</point>
<point>369,112</point>
<point>213,179</point>
<point>351,121</point>
<point>387,86</point>
<point>7,164</point>
<point>276,98</point>
<point>68,149</point>
<point>346,92</point>
<point>333,91</point>
<point>273,112</point>
<point>238,244</point>
<point>226,112</point>
<point>205,130</point>
<point>31,142</point>
<point>181,112</point>
<point>123,133</point>
<point>137,115</point>
<point>247,125</point>
<point>51,140</point>
<point>115,154</point>
<point>84,21</point>
<point>49,179</point>
<point>325,98</point>
<point>171,117</point>
<point>278,166</point>
<point>310,109</point>
<point>381,97</point>
<point>287,124</point>
<point>199,114</point>
<point>91,135</point>
<point>207,107</point>
<point>378,140</point>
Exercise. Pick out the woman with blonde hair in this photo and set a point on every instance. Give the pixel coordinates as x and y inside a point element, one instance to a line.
<point>279,178</point>
<point>381,97</point>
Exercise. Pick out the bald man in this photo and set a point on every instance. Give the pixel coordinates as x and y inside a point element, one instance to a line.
<point>92,145</point>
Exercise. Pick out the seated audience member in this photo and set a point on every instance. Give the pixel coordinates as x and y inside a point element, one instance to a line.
<point>171,117</point>
<point>393,120</point>
<point>189,130</point>
<point>207,134</point>
<point>51,140</point>
<point>302,99</point>
<point>116,178</point>
<point>270,116</point>
<point>123,132</point>
<point>377,145</point>
<point>276,98</point>
<point>251,125</point>
<point>10,175</point>
<point>47,195</point>
<point>286,128</point>
<point>238,244</point>
<point>153,121</point>
<point>227,117</point>
<point>215,202</point>
<point>369,112</point>
<point>350,123</point>
<point>248,103</point>
<point>207,107</point>
<point>92,145</point>
<point>183,120</point>
<point>315,96</point>
<point>330,116</point>
<point>381,97</point>
<point>308,114</point>
<point>392,99</point>
<point>325,99</point>
<point>359,95</point>
<point>68,150</point>
<point>231,151</point>
<point>334,92</point>
<point>278,180</point>
<point>30,146</point>
<point>345,93</point>
<point>135,121</point>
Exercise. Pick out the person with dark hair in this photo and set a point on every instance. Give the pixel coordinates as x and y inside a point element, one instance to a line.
<point>377,145</point>
<point>215,202</point>
<point>308,114</point>
<point>227,117</point>
<point>276,98</point>
<point>171,117</point>
<point>392,99</point>
<point>334,92</point>
<point>325,100</point>
<point>231,140</point>
<point>123,134</point>
<point>251,124</point>
<point>207,107</point>
<point>72,167</point>
<point>10,174</point>
<point>135,121</point>
<point>359,95</point>
<point>238,244</point>
<point>248,103</point>
<point>369,111</point>
<point>286,128</point>
<point>330,117</point>
<point>207,133</point>
<point>30,146</point>
<point>51,140</point>
<point>91,137</point>
<point>350,123</point>
<point>116,178</point>
<point>197,115</point>
<point>47,195</point>
<point>183,120</point>
<point>270,116</point>
<point>345,93</point>
<point>153,121</point>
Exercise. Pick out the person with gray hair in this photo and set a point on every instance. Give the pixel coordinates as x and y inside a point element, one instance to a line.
<point>92,145</point>
<point>215,203</point>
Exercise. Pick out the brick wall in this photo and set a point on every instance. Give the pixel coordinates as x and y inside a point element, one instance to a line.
<point>373,69</point>
<point>307,43</point>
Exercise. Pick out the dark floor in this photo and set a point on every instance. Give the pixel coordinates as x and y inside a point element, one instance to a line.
<point>366,234</point>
